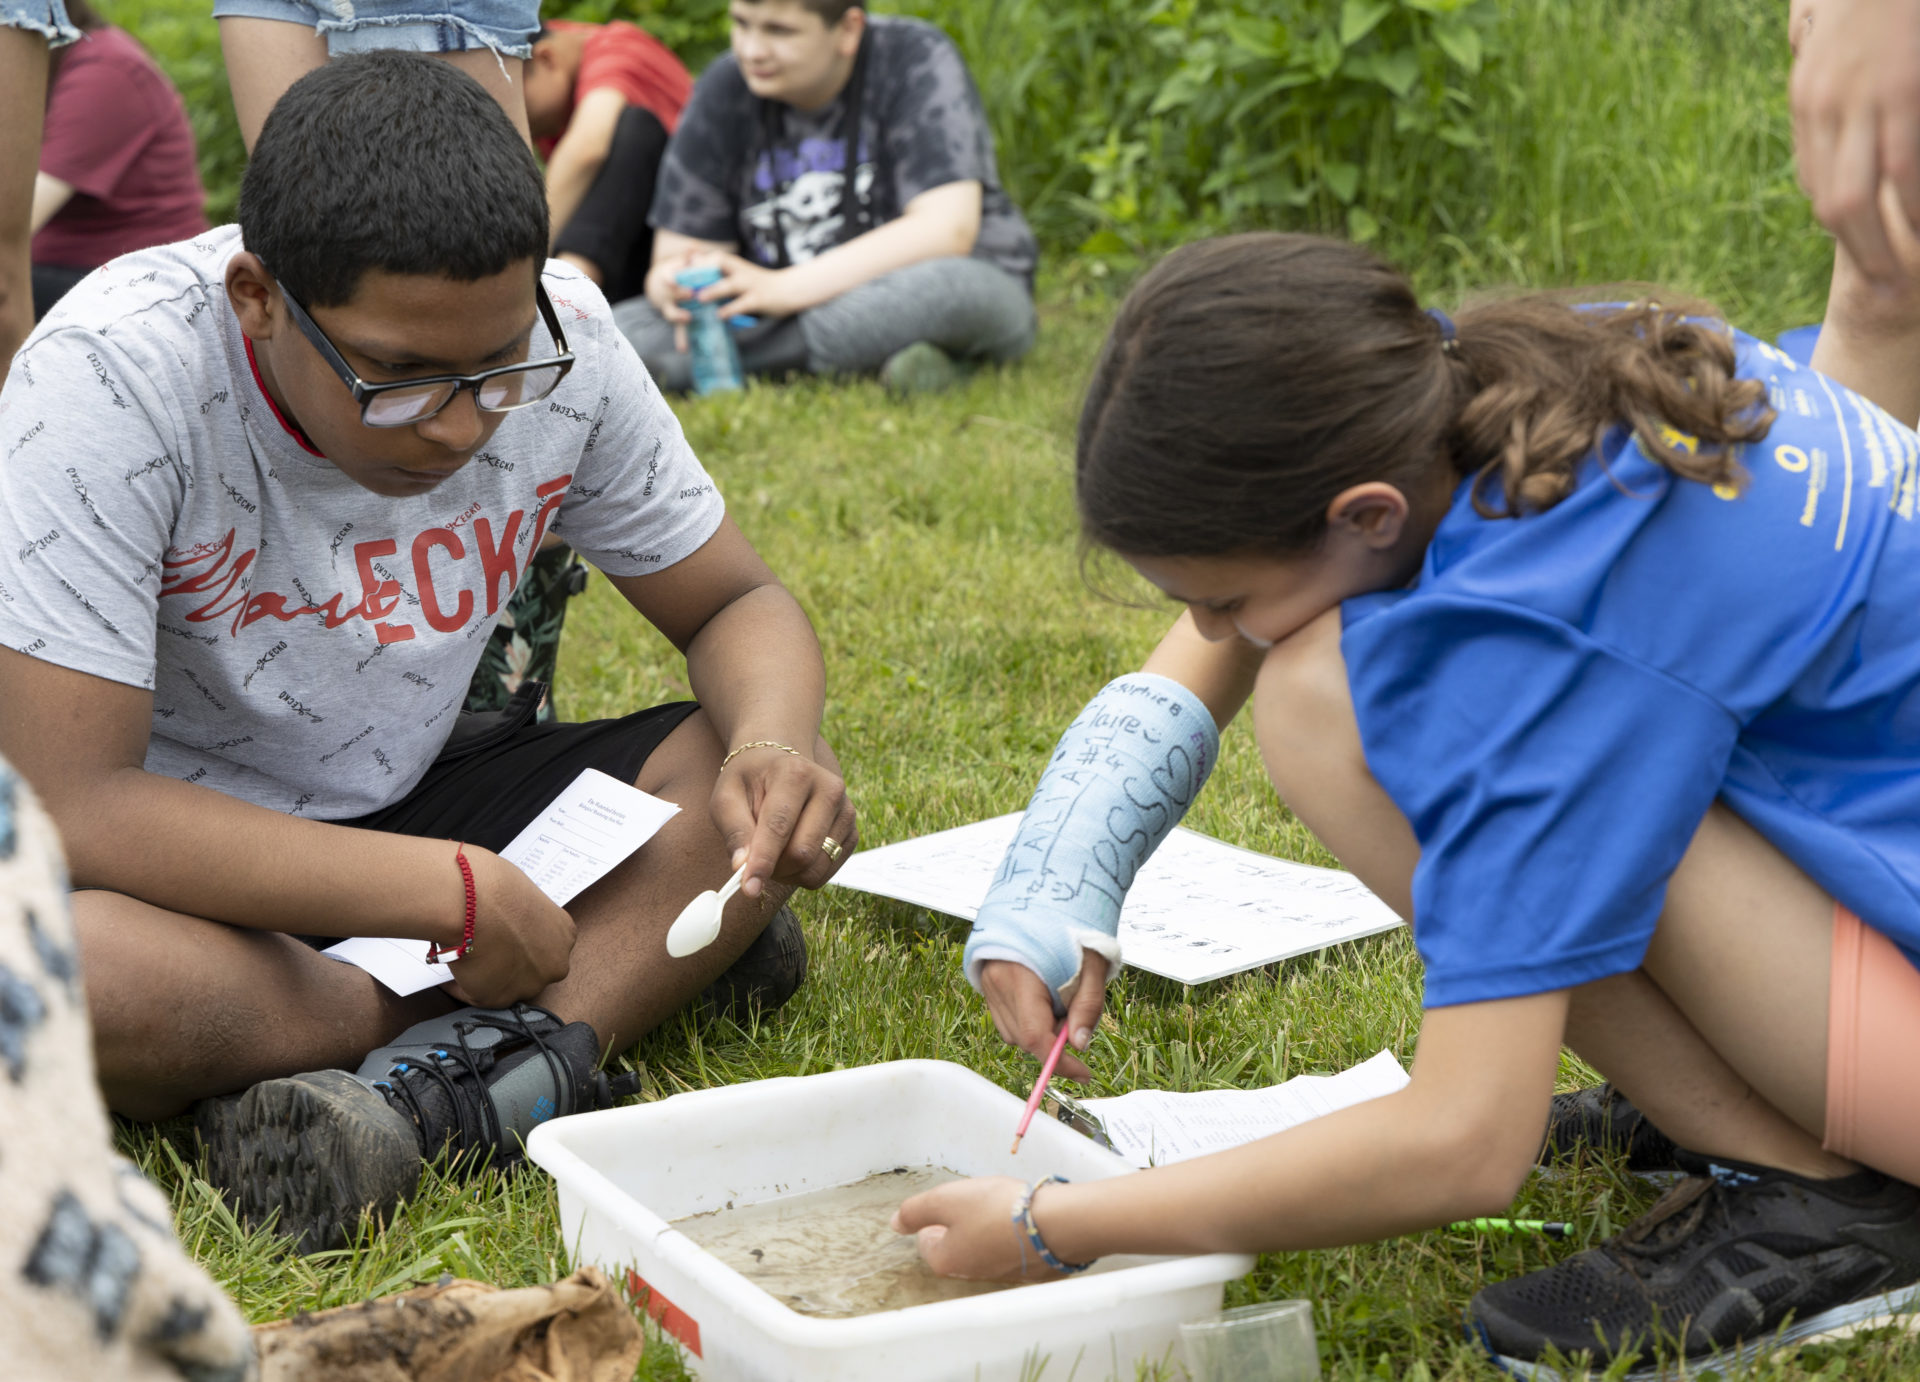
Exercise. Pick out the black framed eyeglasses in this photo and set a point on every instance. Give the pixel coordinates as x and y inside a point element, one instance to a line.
<point>404,402</point>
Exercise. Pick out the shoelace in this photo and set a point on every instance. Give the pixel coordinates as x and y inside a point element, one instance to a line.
<point>563,1090</point>
<point>428,1066</point>
<point>434,1063</point>
<point>1672,1221</point>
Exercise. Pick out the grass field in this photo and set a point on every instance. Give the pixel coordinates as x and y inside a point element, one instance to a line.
<point>933,545</point>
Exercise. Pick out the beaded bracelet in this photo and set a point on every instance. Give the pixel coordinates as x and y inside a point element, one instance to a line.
<point>1024,1225</point>
<point>465,948</point>
<point>757,744</point>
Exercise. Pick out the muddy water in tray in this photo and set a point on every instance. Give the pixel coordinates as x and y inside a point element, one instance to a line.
<point>831,1252</point>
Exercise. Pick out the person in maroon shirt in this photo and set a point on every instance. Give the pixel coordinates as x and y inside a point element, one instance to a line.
<point>117,168</point>
<point>29,30</point>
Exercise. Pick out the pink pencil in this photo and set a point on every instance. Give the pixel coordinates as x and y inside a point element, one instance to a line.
<point>1040,1086</point>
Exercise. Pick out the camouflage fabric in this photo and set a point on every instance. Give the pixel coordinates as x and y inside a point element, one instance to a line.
<point>525,645</point>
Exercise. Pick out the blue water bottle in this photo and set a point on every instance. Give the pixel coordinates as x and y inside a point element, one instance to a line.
<point>715,358</point>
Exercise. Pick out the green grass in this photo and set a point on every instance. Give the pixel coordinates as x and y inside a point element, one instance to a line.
<point>933,545</point>
<point>1637,140</point>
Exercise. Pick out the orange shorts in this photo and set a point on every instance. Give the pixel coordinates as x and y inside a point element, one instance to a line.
<point>1873,1031</point>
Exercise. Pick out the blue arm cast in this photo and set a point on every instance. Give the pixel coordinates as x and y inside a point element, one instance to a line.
<point>1120,779</point>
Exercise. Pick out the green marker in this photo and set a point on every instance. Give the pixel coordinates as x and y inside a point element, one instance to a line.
<point>1540,1226</point>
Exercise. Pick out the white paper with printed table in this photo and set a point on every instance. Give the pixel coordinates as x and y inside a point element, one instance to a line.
<point>590,827</point>
<point>1199,909</point>
<point>1156,1127</point>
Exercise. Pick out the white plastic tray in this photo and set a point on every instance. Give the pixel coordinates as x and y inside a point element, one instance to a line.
<point>624,1173</point>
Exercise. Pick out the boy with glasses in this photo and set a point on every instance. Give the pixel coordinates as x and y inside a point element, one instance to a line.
<point>262,496</point>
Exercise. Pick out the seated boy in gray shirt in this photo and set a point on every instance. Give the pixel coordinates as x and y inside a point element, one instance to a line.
<point>263,495</point>
<point>915,265</point>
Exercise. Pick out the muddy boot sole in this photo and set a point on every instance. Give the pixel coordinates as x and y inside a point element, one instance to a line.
<point>309,1154</point>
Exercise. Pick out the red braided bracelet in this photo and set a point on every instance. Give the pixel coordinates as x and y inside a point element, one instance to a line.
<point>465,948</point>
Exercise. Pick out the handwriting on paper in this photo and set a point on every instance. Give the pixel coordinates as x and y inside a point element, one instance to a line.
<point>1198,909</point>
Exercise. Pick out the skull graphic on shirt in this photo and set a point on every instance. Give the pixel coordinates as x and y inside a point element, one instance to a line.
<point>807,211</point>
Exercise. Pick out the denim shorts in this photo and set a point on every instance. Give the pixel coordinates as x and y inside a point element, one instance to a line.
<point>45,17</point>
<point>507,27</point>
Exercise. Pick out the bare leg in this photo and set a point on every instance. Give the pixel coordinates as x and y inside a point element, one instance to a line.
<point>1744,948</point>
<point>184,1008</point>
<point>503,77</point>
<point>23,103</point>
<point>266,56</point>
<point>1627,1025</point>
<point>1740,950</point>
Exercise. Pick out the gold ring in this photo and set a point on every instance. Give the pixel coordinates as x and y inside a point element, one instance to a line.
<point>831,848</point>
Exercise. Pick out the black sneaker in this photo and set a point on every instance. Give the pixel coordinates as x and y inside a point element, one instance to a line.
<point>313,1151</point>
<point>1736,1261</point>
<point>1605,1120</point>
<point>767,974</point>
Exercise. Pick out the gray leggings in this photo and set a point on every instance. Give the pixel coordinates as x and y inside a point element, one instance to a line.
<point>967,307</point>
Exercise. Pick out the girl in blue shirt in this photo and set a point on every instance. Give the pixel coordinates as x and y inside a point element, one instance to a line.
<point>1588,638</point>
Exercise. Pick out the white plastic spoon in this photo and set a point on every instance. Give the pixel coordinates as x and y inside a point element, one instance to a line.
<point>699,921</point>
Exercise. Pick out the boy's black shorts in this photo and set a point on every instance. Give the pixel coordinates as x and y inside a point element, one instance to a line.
<point>501,768</point>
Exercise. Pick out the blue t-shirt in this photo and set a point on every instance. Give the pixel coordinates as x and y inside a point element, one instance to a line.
<point>1559,698</point>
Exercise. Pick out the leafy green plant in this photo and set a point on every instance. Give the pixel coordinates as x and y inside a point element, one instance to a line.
<point>1273,110</point>
<point>694,29</point>
<point>1475,141</point>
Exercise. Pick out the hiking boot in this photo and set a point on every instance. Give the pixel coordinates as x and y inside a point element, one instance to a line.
<point>766,975</point>
<point>921,368</point>
<point>1737,1260</point>
<point>312,1151</point>
<point>1605,1120</point>
<point>308,1153</point>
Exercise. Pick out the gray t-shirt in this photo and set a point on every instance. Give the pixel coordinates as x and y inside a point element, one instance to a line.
<point>921,126</point>
<point>308,642</point>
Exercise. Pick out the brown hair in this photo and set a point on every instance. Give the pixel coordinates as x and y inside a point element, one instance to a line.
<point>1248,380</point>
<point>831,12</point>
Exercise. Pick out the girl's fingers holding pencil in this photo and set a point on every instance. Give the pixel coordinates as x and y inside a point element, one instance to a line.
<point>1022,1009</point>
<point>1083,1010</point>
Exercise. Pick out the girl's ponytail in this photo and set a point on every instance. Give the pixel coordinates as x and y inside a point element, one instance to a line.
<point>1249,380</point>
<point>1550,379</point>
